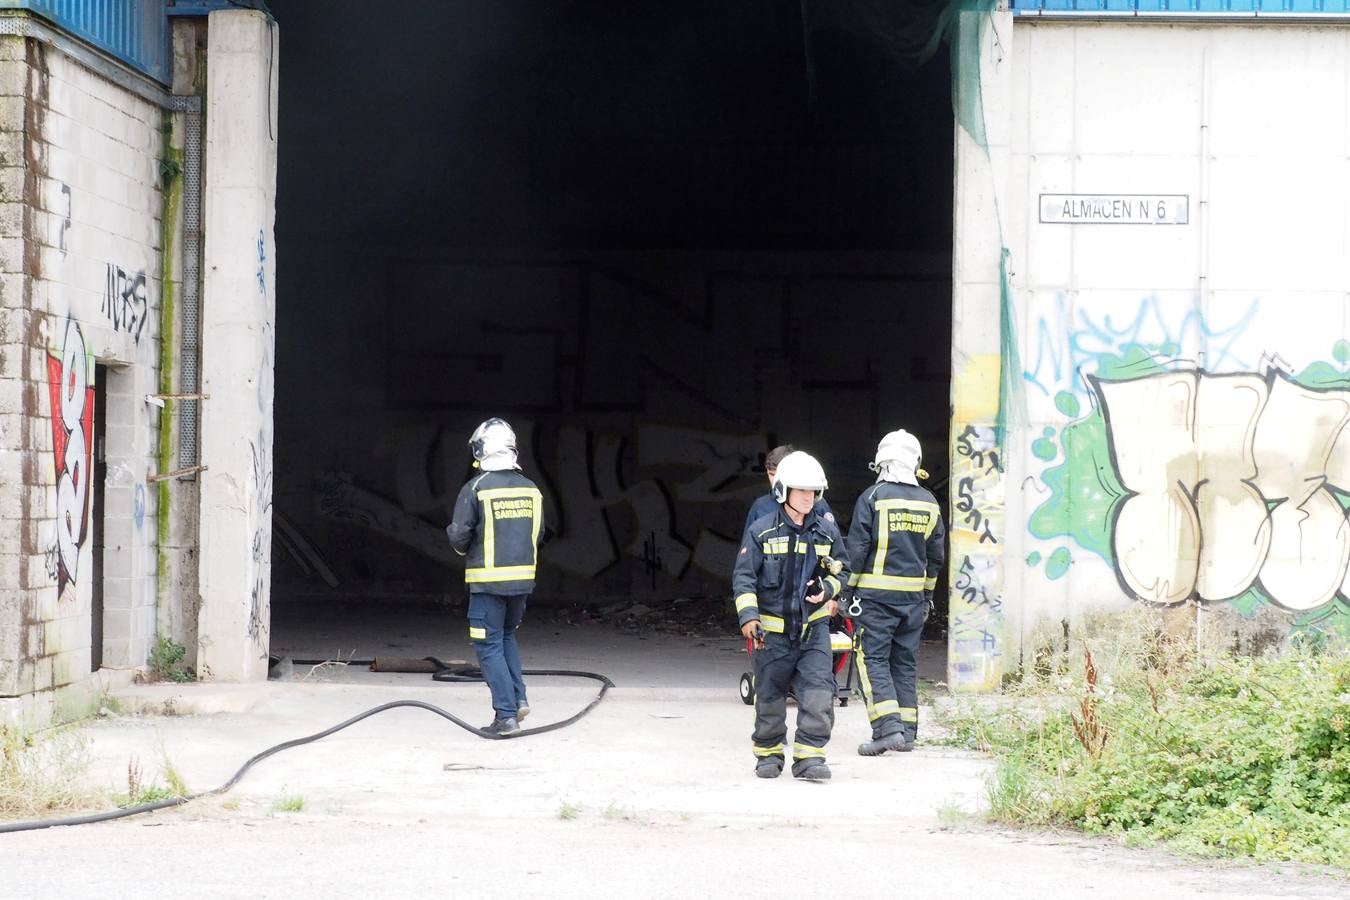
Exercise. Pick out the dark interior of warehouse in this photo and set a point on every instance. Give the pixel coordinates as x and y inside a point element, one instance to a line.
<point>658,238</point>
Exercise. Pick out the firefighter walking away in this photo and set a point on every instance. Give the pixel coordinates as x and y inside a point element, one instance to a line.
<point>784,599</point>
<point>895,551</point>
<point>497,526</point>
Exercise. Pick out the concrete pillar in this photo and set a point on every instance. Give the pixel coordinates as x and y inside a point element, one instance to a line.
<point>976,658</point>
<point>238,312</point>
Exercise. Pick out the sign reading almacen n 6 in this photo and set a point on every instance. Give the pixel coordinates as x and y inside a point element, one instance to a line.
<point>1116,209</point>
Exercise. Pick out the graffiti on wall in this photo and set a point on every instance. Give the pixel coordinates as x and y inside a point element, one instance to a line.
<point>125,303</point>
<point>70,378</point>
<point>260,477</point>
<point>1241,478</point>
<point>976,580</point>
<point>65,220</point>
<point>260,555</point>
<point>601,518</point>
<point>1227,482</point>
<point>1068,341</point>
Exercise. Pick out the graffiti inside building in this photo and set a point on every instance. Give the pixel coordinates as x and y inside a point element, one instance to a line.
<point>70,372</point>
<point>644,390</point>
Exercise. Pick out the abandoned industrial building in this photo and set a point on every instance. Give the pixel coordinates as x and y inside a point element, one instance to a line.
<point>264,268</point>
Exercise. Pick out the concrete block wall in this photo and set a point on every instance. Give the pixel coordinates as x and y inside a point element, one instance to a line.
<point>80,222</point>
<point>1176,396</point>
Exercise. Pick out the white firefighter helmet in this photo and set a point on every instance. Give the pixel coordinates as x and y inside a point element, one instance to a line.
<point>898,457</point>
<point>494,445</point>
<point>798,470</point>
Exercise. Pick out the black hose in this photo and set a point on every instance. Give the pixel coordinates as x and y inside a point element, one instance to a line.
<point>450,674</point>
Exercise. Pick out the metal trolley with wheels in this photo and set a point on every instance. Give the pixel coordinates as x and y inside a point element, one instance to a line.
<point>841,645</point>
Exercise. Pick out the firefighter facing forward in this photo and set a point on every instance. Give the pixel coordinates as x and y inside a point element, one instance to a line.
<point>895,551</point>
<point>497,526</point>
<point>784,599</point>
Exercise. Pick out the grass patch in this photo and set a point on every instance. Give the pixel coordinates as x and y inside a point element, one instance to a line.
<point>140,791</point>
<point>950,814</point>
<point>568,811</point>
<point>175,781</point>
<point>106,704</point>
<point>288,803</point>
<point>1136,733</point>
<point>42,775</point>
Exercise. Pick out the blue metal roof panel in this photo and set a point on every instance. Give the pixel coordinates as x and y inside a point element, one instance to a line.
<point>1254,8</point>
<point>134,31</point>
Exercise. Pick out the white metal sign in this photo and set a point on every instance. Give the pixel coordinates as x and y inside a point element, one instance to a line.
<point>1116,209</point>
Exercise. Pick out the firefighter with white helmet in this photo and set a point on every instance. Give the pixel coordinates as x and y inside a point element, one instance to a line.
<point>784,598</point>
<point>497,527</point>
<point>895,551</point>
<point>766,503</point>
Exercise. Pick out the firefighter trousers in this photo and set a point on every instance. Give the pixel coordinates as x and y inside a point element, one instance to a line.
<point>805,668</point>
<point>493,620</point>
<point>887,643</point>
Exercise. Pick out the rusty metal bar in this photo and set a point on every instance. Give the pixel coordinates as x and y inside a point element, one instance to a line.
<point>176,473</point>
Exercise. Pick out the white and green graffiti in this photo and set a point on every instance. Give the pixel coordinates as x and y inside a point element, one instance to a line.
<point>1222,487</point>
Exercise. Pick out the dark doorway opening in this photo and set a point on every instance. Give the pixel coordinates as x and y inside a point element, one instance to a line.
<point>658,238</point>
<point>100,476</point>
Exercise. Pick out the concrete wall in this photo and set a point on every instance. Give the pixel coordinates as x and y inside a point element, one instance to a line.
<point>81,242</point>
<point>1176,395</point>
<point>238,312</point>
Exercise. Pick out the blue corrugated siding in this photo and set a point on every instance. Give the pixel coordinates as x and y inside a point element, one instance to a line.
<point>1323,7</point>
<point>134,31</point>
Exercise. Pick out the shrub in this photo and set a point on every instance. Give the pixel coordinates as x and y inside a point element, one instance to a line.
<point>166,661</point>
<point>42,775</point>
<point>1212,754</point>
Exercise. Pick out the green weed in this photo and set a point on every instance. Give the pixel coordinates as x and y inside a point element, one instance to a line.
<point>41,775</point>
<point>1150,739</point>
<point>165,661</point>
<point>288,803</point>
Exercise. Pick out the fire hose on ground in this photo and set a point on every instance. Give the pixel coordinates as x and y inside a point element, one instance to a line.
<point>440,671</point>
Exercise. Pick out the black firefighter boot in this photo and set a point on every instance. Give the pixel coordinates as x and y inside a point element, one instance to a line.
<point>769,767</point>
<point>898,741</point>
<point>813,769</point>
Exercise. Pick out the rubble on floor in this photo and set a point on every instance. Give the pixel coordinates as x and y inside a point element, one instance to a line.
<point>703,617</point>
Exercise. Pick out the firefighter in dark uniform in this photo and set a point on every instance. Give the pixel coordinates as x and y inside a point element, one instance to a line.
<point>895,551</point>
<point>765,503</point>
<point>784,600</point>
<point>497,526</point>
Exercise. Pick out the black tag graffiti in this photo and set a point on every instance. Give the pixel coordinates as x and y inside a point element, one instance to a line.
<point>124,301</point>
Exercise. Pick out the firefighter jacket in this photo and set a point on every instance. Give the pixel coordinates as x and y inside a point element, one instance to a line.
<point>895,543</point>
<point>765,504</point>
<point>776,560</point>
<point>498,521</point>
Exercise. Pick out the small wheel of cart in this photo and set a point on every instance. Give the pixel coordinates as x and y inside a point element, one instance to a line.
<point>747,689</point>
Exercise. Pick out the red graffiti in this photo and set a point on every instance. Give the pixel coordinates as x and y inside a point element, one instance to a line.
<point>72,444</point>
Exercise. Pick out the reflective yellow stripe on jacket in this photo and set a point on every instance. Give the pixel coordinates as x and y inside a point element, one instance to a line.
<point>498,573</point>
<point>889,582</point>
<point>490,571</point>
<point>877,578</point>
